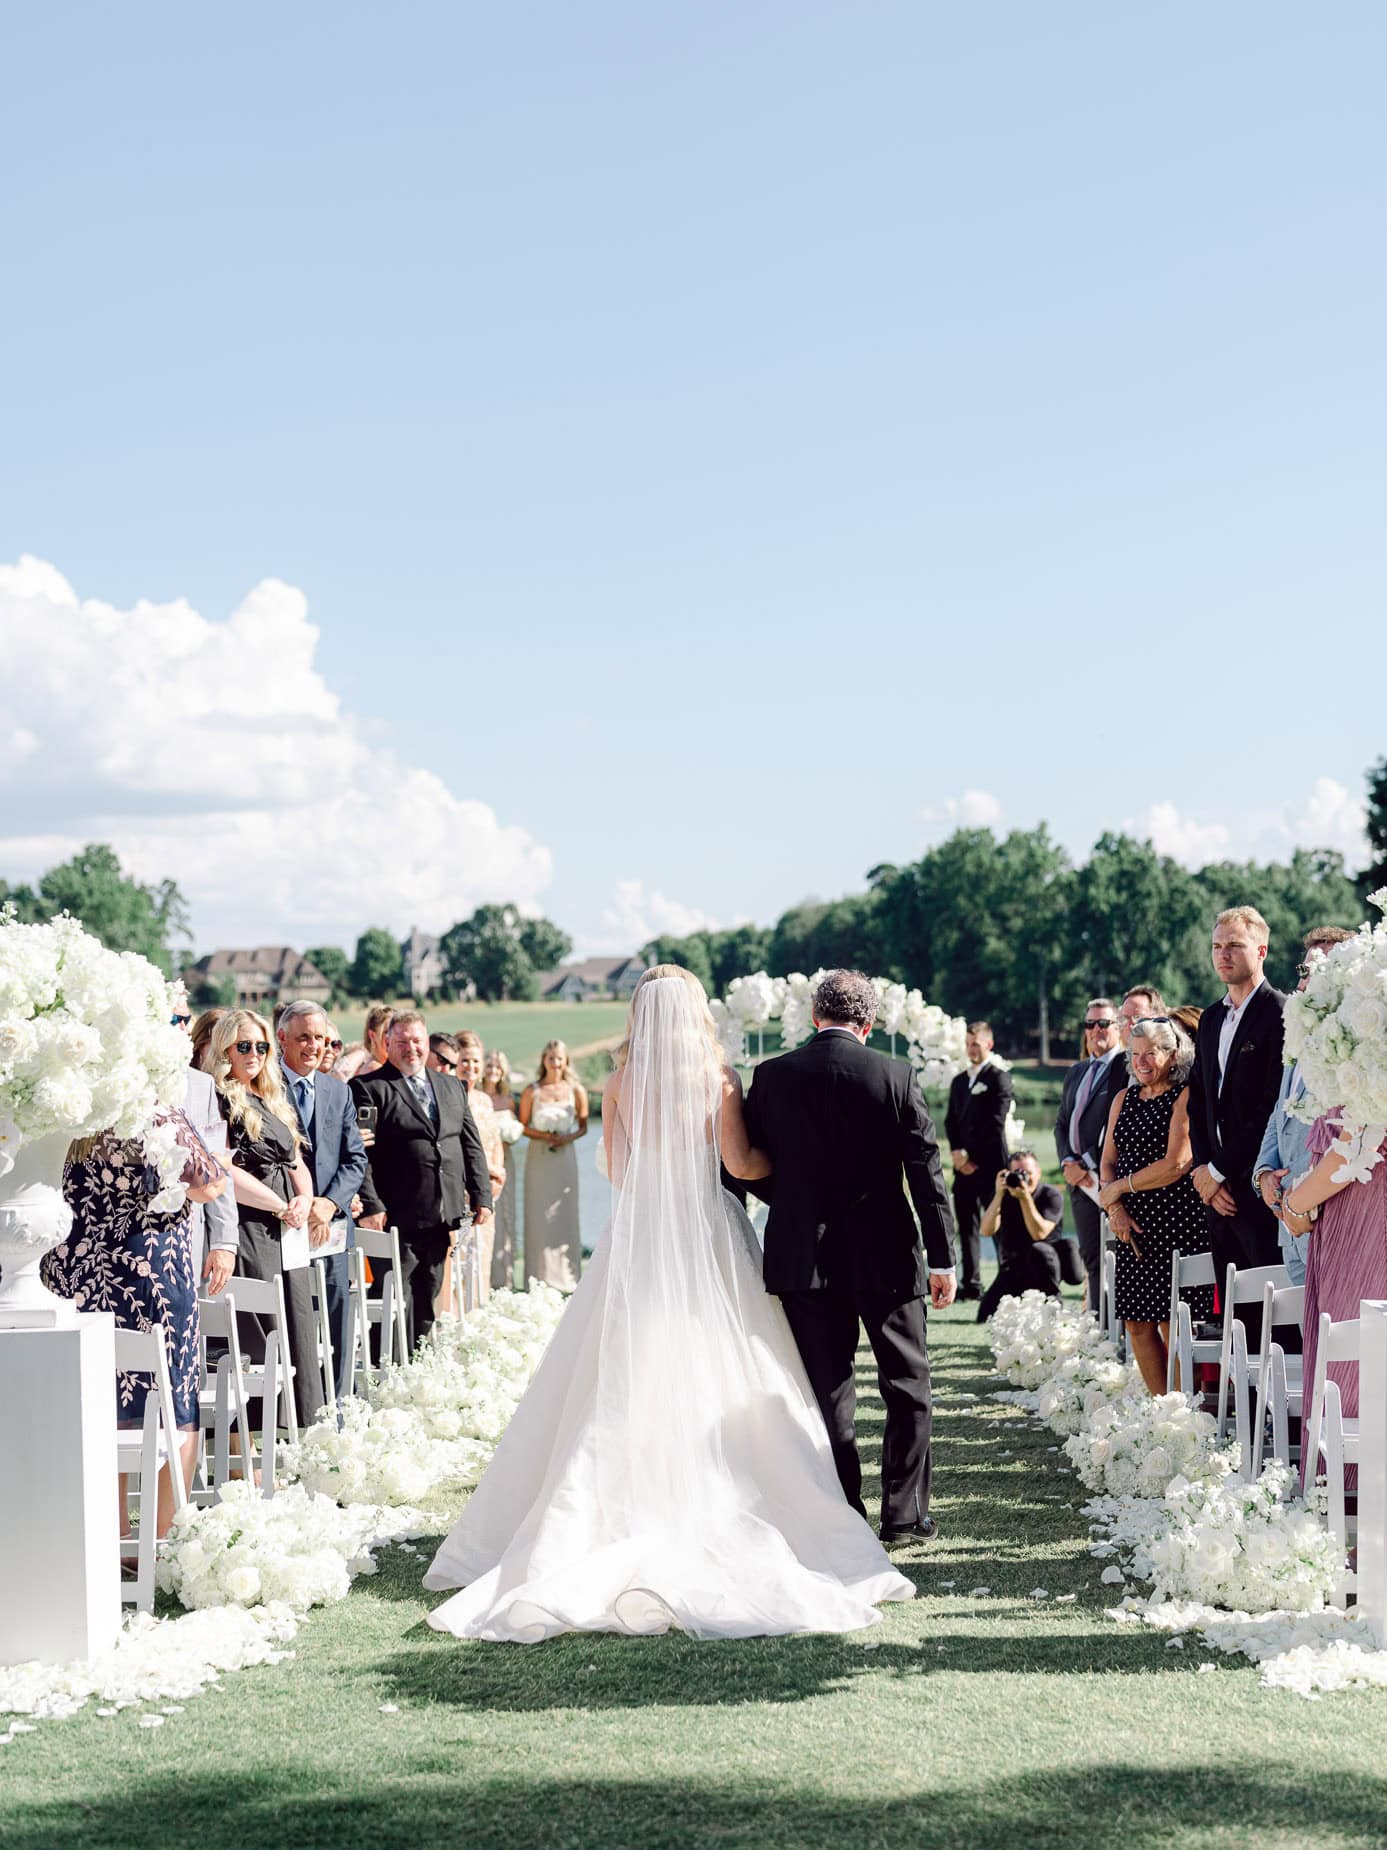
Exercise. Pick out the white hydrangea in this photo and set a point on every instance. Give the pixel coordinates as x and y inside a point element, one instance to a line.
<point>1336,1028</point>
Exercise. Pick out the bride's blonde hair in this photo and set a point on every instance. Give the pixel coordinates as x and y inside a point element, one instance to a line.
<point>709,1046</point>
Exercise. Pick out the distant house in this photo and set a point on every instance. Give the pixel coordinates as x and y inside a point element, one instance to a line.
<point>269,974</point>
<point>593,977</point>
<point>423,964</point>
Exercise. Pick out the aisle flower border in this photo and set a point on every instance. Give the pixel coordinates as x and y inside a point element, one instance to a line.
<point>1248,1566</point>
<point>248,1568</point>
<point>934,1041</point>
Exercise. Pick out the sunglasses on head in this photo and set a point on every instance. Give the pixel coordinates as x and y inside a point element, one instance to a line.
<point>181,1021</point>
<point>260,1047</point>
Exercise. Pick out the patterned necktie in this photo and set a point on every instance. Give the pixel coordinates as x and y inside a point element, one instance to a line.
<point>424,1093</point>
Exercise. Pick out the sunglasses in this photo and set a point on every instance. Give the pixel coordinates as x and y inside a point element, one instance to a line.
<point>181,1021</point>
<point>260,1047</point>
<point>336,1046</point>
<point>449,1066</point>
<point>1106,1022</point>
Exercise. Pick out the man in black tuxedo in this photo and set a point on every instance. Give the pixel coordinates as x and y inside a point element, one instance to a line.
<point>840,1124</point>
<point>975,1125</point>
<point>1233,1091</point>
<point>428,1167</point>
<point>1082,1123</point>
<point>334,1152</point>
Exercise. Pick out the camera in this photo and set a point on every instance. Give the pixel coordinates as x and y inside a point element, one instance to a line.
<point>1016,1178</point>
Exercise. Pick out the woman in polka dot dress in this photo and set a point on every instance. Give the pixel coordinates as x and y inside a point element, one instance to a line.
<point>1147,1194</point>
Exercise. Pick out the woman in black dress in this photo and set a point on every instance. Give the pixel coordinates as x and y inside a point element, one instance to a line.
<point>1147,1154</point>
<point>273,1190</point>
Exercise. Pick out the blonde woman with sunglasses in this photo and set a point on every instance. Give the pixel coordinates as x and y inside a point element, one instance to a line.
<point>274,1189</point>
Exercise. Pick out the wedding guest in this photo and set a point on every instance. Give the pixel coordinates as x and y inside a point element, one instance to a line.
<point>212,1228</point>
<point>1147,1194</point>
<point>1021,1216</point>
<point>354,1064</point>
<point>427,1164</point>
<point>1347,1257</point>
<point>334,1152</point>
<point>332,1048</point>
<point>200,1034</point>
<point>980,1100</point>
<point>496,1083</point>
<point>554,1112</point>
<point>1080,1127</point>
<point>443,1054</point>
<point>471,1059</point>
<point>1137,1003</point>
<point>125,1257</point>
<point>1233,1091</point>
<point>274,1191</point>
<point>1187,1016</point>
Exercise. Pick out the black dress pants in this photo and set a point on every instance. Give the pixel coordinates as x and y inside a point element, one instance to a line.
<point>258,1255</point>
<point>423,1261</point>
<point>971,1195</point>
<point>1036,1270</point>
<point>1088,1224</point>
<point>825,1328</point>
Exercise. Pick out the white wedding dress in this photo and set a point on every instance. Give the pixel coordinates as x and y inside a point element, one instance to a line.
<point>668,1465</point>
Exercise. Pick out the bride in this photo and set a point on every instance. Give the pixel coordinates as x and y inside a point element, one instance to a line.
<point>668,1464</point>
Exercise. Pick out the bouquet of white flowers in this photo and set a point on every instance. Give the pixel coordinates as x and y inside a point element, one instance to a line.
<point>1134,1447</point>
<point>1336,1027</point>
<point>1033,1334</point>
<point>1247,1547</point>
<point>86,1045</point>
<point>508,1127</point>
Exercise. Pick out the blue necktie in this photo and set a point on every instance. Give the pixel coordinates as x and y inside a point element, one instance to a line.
<point>305,1101</point>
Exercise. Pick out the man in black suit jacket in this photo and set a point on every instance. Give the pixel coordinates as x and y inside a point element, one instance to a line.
<point>334,1152</point>
<point>1233,1091</point>
<point>975,1125</point>
<point>1081,1124</point>
<point>840,1124</point>
<point>428,1168</point>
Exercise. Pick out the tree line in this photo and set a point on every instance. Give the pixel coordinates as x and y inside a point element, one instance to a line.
<point>496,954</point>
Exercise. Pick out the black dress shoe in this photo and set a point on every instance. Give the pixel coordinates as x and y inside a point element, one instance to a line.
<point>969,1294</point>
<point>923,1531</point>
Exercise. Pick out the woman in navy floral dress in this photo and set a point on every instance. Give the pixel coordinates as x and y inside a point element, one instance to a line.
<point>122,1257</point>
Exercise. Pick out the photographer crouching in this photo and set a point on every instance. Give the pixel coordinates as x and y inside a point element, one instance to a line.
<point>1021,1216</point>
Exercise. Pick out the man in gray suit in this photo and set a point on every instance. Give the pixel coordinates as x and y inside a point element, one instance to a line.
<point>213,1225</point>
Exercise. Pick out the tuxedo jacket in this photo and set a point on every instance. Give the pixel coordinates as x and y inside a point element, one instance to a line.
<point>424,1174</point>
<point>1227,1125</point>
<point>841,1124</point>
<point>976,1118</point>
<point>335,1154</point>
<point>1093,1121</point>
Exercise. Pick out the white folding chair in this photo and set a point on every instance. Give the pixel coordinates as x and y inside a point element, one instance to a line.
<point>327,1361</point>
<point>1235,1366</point>
<point>1107,1291</point>
<point>221,1392</point>
<point>1280,1377</point>
<point>1183,1347</point>
<point>1331,1440</point>
<point>388,1310</point>
<point>274,1379</point>
<point>138,1455</point>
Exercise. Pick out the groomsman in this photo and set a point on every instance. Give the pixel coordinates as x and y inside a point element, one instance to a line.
<point>1089,1086</point>
<point>1233,1091</point>
<point>335,1154</point>
<point>428,1167</point>
<point>975,1125</point>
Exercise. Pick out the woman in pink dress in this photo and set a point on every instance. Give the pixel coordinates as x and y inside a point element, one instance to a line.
<point>1347,1259</point>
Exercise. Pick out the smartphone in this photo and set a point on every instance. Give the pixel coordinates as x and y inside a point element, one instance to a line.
<point>366,1116</point>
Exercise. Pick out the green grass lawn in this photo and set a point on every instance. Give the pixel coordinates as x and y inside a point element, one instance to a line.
<point>964,1723</point>
<point>519,1029</point>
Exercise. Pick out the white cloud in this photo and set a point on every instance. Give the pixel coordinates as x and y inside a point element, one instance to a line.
<point>975,809</point>
<point>215,753</point>
<point>635,916</point>
<point>1181,837</point>
<point>1330,817</point>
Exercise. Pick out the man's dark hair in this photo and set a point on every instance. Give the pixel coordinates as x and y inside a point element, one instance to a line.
<point>1152,994</point>
<point>1024,1151</point>
<point>847,996</point>
<point>981,1027</point>
<point>1322,936</point>
<point>443,1043</point>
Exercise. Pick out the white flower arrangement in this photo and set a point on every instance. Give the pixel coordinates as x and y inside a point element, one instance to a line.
<point>934,1040</point>
<point>1336,1028</point>
<point>86,1045</point>
<point>1135,1446</point>
<point>553,1117</point>
<point>508,1127</point>
<point>295,1549</point>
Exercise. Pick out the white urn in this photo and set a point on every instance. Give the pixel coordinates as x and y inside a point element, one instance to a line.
<point>33,1219</point>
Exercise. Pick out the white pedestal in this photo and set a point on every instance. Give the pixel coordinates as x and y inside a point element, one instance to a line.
<point>59,1529</point>
<point>1372,1466</point>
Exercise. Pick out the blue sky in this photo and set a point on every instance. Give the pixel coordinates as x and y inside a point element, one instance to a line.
<point>716,440</point>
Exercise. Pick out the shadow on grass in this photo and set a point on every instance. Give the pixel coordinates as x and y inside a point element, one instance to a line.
<point>603,1672</point>
<point>424,1804</point>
